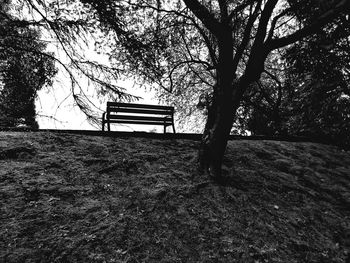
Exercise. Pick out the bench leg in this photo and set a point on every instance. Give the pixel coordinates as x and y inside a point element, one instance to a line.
<point>173,128</point>
<point>109,126</point>
<point>103,121</point>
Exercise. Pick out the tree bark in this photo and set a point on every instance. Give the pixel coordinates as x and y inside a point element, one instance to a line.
<point>221,116</point>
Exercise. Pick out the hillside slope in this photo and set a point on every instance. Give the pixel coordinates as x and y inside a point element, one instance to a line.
<point>74,198</point>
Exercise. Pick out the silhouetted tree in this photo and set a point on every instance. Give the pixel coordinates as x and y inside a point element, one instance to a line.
<point>24,70</point>
<point>237,38</point>
<point>261,28</point>
<point>313,94</point>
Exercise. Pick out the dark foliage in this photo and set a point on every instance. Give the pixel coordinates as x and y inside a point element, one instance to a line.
<point>314,96</point>
<point>24,70</point>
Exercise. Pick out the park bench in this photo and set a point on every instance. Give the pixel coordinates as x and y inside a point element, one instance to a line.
<point>131,113</point>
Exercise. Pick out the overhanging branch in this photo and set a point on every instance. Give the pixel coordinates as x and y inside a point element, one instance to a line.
<point>203,14</point>
<point>341,8</point>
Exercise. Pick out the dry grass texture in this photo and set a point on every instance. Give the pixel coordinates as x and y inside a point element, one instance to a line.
<point>73,198</point>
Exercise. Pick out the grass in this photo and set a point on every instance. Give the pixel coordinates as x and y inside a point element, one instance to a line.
<point>74,198</point>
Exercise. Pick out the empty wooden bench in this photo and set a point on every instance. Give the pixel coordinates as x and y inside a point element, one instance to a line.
<point>131,113</point>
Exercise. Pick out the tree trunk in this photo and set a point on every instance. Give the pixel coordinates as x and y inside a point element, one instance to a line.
<point>221,115</point>
<point>221,111</point>
<point>227,95</point>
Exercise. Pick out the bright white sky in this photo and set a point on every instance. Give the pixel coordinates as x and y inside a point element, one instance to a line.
<point>55,105</point>
<point>56,109</point>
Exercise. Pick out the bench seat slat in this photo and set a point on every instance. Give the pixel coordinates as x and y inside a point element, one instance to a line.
<point>138,106</point>
<point>141,122</point>
<point>139,118</point>
<point>143,111</point>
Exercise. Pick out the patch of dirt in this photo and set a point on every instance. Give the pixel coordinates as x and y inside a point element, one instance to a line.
<point>75,198</point>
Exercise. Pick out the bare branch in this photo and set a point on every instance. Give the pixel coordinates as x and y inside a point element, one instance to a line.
<point>274,77</point>
<point>274,21</point>
<point>264,20</point>
<point>258,53</point>
<point>203,14</point>
<point>240,8</point>
<point>182,63</point>
<point>246,35</point>
<point>208,43</point>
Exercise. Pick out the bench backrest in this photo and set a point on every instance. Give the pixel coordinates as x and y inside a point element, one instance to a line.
<point>139,108</point>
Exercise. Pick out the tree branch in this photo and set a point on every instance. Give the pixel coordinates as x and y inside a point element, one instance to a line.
<point>188,62</point>
<point>274,21</point>
<point>342,8</point>
<point>203,14</point>
<point>258,52</point>
<point>239,9</point>
<point>246,35</point>
<point>264,20</point>
<point>208,43</point>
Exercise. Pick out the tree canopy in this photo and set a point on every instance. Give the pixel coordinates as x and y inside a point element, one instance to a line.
<point>24,70</point>
<point>168,45</point>
<point>313,87</point>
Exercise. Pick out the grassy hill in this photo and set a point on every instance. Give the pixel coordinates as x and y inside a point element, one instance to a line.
<point>75,198</point>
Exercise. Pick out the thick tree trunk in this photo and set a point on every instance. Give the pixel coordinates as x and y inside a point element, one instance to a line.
<point>227,95</point>
<point>221,116</point>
